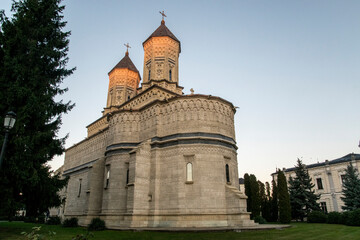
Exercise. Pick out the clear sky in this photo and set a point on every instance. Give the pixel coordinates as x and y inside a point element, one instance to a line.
<point>292,68</point>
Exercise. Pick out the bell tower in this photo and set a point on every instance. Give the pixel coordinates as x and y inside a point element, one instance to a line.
<point>161,59</point>
<point>124,80</point>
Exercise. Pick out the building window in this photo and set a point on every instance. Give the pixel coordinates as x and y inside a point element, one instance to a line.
<point>342,179</point>
<point>189,174</point>
<point>227,173</point>
<point>319,183</point>
<point>79,187</point>
<point>149,75</point>
<point>107,181</point>
<point>127,176</point>
<point>170,75</point>
<point>323,207</point>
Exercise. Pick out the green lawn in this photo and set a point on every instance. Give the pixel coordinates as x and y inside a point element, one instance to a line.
<point>297,231</point>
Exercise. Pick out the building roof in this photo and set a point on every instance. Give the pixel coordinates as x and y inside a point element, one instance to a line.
<point>126,62</point>
<point>241,181</point>
<point>346,158</point>
<point>163,31</point>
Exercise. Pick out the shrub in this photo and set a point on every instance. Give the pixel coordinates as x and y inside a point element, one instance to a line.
<point>55,220</point>
<point>96,225</point>
<point>354,218</point>
<point>345,218</point>
<point>260,220</point>
<point>334,218</point>
<point>70,222</point>
<point>316,217</point>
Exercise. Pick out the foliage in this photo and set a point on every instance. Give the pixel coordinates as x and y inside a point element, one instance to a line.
<point>351,189</point>
<point>35,234</point>
<point>284,199</point>
<point>255,196</point>
<point>345,218</point>
<point>334,218</point>
<point>274,202</point>
<point>96,225</point>
<point>33,57</point>
<point>85,236</point>
<point>248,192</point>
<point>55,220</point>
<point>302,196</point>
<point>70,222</point>
<point>317,217</point>
<point>354,218</point>
<point>266,203</point>
<point>260,220</point>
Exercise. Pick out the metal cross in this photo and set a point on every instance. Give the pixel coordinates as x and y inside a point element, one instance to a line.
<point>127,46</point>
<point>163,14</point>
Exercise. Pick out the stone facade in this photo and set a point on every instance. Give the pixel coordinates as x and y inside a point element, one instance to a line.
<point>157,158</point>
<point>327,178</point>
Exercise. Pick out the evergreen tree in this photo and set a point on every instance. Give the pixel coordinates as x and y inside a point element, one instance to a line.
<point>248,192</point>
<point>33,59</point>
<point>274,202</point>
<point>266,206</point>
<point>302,196</point>
<point>255,196</point>
<point>351,189</point>
<point>284,199</point>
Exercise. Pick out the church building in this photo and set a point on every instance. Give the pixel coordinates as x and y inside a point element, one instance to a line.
<point>157,158</point>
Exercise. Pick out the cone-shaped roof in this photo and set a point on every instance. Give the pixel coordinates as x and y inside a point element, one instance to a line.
<point>163,31</point>
<point>126,63</point>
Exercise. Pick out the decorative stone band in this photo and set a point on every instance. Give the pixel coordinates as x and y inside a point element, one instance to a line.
<point>176,139</point>
<point>79,168</point>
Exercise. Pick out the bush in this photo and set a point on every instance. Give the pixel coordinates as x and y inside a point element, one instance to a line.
<point>316,217</point>
<point>96,225</point>
<point>55,220</point>
<point>345,218</point>
<point>70,222</point>
<point>334,218</point>
<point>260,220</point>
<point>354,218</point>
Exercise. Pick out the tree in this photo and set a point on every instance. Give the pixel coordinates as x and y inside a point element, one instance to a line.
<point>302,196</point>
<point>284,199</point>
<point>33,60</point>
<point>266,203</point>
<point>274,202</point>
<point>255,196</point>
<point>248,192</point>
<point>252,191</point>
<point>351,189</point>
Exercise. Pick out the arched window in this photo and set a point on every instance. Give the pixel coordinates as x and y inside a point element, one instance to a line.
<point>170,75</point>
<point>79,187</point>
<point>189,176</point>
<point>227,173</point>
<point>107,178</point>
<point>149,75</point>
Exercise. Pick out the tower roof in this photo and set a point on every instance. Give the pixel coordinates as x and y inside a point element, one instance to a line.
<point>126,62</point>
<point>163,31</point>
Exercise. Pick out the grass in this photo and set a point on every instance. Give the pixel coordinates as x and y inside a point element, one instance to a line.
<point>301,231</point>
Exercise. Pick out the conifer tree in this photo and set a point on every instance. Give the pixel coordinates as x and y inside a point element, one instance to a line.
<point>302,196</point>
<point>351,189</point>
<point>255,196</point>
<point>248,192</point>
<point>266,209</point>
<point>284,199</point>
<point>274,202</point>
<point>33,60</point>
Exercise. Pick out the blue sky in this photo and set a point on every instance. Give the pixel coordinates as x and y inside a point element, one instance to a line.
<point>292,68</point>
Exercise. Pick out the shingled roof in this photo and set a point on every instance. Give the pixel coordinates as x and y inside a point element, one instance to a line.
<point>126,63</point>
<point>163,31</point>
